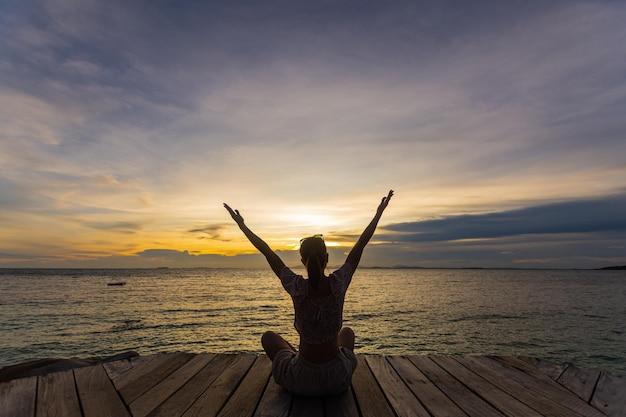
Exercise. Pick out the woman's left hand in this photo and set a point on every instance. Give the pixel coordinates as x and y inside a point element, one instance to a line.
<point>384,202</point>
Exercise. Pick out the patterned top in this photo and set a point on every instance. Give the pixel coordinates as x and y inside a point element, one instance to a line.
<point>317,319</point>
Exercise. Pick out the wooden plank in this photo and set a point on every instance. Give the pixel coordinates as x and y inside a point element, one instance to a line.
<point>527,367</point>
<point>275,401</point>
<point>116,368</point>
<point>163,367</point>
<point>17,397</point>
<point>501,400</point>
<point>182,399</point>
<point>580,381</point>
<point>246,397</point>
<point>433,399</point>
<point>156,395</point>
<point>211,401</point>
<point>342,405</point>
<point>470,403</point>
<point>610,395</point>
<point>399,395</point>
<point>140,367</point>
<point>532,398</point>
<point>533,366</point>
<point>231,385</point>
<point>544,386</point>
<point>97,394</point>
<point>553,370</point>
<point>138,360</point>
<point>370,398</point>
<point>307,406</point>
<point>56,396</point>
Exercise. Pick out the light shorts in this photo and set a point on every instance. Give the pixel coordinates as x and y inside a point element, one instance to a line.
<point>301,377</point>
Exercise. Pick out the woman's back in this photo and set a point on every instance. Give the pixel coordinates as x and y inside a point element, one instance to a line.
<point>318,312</point>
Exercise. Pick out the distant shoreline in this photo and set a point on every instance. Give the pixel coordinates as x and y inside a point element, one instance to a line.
<point>605,268</point>
<point>161,268</point>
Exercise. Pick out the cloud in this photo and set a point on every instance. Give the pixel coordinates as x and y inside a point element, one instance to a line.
<point>16,256</point>
<point>342,238</point>
<point>212,231</point>
<point>82,67</point>
<point>163,253</point>
<point>462,107</point>
<point>115,226</point>
<point>184,258</point>
<point>587,250</point>
<point>605,214</point>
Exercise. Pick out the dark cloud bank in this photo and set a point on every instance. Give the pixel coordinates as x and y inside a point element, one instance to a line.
<point>606,214</point>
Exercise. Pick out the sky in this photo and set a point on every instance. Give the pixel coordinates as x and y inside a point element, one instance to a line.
<point>124,126</point>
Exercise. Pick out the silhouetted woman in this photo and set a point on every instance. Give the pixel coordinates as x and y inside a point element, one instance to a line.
<point>325,361</point>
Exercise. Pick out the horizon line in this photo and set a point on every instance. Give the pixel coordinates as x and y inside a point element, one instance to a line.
<point>605,268</point>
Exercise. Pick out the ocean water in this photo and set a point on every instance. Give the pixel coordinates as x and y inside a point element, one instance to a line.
<point>577,316</point>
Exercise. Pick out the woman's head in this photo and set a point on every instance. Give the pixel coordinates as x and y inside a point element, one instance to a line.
<point>314,257</point>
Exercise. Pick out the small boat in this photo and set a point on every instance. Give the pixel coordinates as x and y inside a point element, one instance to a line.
<point>116,284</point>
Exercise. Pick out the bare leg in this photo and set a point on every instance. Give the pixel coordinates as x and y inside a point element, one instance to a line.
<point>273,342</point>
<point>346,338</point>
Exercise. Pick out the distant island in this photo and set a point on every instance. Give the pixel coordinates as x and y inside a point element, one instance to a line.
<point>614,268</point>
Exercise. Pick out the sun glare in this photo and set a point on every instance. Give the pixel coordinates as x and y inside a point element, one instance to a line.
<point>309,219</point>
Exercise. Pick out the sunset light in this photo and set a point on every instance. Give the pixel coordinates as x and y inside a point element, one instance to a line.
<point>114,156</point>
<point>312,208</point>
<point>310,219</point>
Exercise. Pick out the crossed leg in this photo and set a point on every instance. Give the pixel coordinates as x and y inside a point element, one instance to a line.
<point>273,342</point>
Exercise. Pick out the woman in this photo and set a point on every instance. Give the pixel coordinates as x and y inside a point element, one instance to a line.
<point>325,360</point>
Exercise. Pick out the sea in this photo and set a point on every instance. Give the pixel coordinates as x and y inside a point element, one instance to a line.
<point>576,316</point>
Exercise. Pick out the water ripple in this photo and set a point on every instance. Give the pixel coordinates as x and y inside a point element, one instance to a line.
<point>560,315</point>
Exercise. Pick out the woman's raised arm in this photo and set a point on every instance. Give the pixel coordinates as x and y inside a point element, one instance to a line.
<point>355,254</point>
<point>274,260</point>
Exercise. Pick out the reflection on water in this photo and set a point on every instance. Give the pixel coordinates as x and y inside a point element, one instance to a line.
<point>560,315</point>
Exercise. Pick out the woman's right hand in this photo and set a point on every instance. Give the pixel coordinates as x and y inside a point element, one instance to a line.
<point>234,214</point>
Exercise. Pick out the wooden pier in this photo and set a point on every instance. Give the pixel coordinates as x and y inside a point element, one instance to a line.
<point>228,385</point>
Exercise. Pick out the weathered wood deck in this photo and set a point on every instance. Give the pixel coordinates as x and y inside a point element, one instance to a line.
<point>184,384</point>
